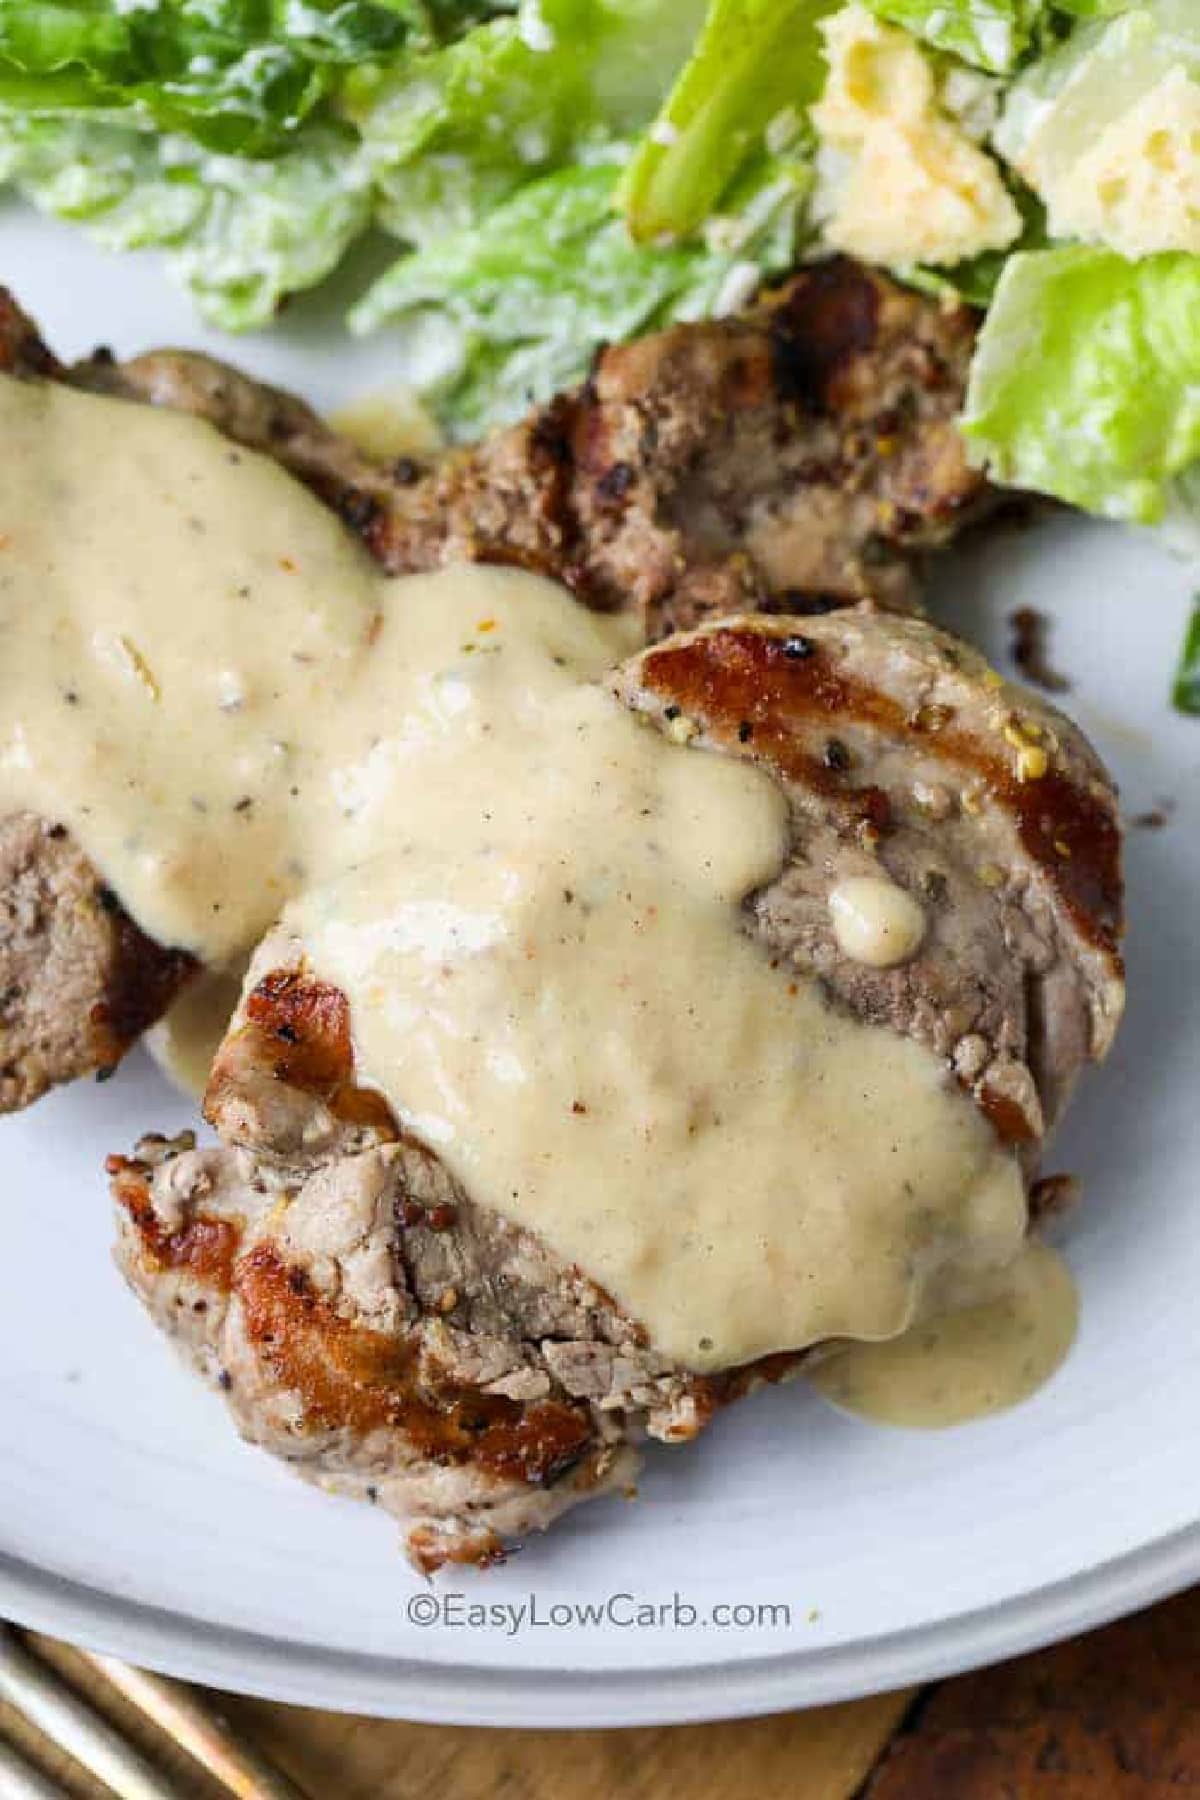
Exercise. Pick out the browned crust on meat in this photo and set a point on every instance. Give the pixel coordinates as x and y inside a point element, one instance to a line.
<point>799,453</point>
<point>341,1377</point>
<point>343,1383</point>
<point>205,1247</point>
<point>299,1028</point>
<point>731,677</point>
<point>904,755</point>
<point>347,1376</point>
<point>319,1061</point>
<point>145,979</point>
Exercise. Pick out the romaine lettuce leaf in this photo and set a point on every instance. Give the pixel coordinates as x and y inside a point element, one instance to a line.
<point>756,61</point>
<point>1086,379</point>
<point>451,132</point>
<point>239,234</point>
<point>989,34</point>
<point>1185,695</point>
<point>131,190</point>
<point>516,307</point>
<point>272,228</point>
<point>240,76</point>
<point>1095,9</point>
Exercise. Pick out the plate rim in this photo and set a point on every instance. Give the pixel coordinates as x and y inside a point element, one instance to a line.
<point>390,1687</point>
<point>416,1688</point>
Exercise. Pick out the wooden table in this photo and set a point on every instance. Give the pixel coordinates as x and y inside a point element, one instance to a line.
<point>1111,1716</point>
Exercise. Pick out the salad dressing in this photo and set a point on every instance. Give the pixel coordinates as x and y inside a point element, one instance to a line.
<point>532,900</point>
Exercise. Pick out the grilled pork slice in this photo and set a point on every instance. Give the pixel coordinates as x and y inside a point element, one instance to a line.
<point>79,982</point>
<point>371,1324</point>
<point>800,454</point>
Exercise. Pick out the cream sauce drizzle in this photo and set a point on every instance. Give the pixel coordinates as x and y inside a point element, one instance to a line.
<point>188,1036</point>
<point>875,921</point>
<point>532,900</point>
<point>550,983</point>
<point>388,422</point>
<point>968,1363</point>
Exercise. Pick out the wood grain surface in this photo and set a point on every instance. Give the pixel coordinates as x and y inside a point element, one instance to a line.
<point>1111,1716</point>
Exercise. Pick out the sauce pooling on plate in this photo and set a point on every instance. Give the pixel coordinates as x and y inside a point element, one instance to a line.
<point>531,899</point>
<point>981,1358</point>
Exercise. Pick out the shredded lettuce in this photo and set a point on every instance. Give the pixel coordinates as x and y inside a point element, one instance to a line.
<point>988,34</point>
<point>514,309</point>
<point>757,66</point>
<point>1086,380</point>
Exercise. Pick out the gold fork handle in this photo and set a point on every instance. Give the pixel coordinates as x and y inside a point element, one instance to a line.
<point>199,1729</point>
<point>60,1715</point>
<point>19,1780</point>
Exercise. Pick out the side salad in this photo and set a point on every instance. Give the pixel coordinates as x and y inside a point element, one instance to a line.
<point>557,173</point>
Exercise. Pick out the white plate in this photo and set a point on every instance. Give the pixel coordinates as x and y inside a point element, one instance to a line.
<point>132,1519</point>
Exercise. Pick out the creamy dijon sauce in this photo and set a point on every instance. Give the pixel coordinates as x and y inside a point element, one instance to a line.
<point>875,921</point>
<point>980,1359</point>
<point>549,981</point>
<point>531,898</point>
<point>189,660</point>
<point>186,1039</point>
<point>389,421</point>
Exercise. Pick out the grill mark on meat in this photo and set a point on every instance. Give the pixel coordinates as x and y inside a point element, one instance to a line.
<point>301,1027</point>
<point>726,675</point>
<point>811,343</point>
<point>349,1377</point>
<point>308,1025</point>
<point>403,1395</point>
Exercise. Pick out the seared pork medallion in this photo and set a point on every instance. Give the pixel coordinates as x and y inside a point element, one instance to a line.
<point>669,953</point>
<point>818,1118</point>
<point>799,455</point>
